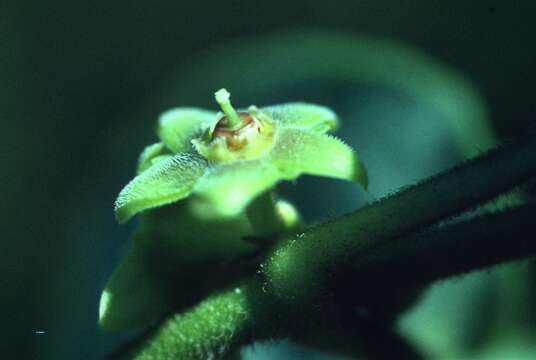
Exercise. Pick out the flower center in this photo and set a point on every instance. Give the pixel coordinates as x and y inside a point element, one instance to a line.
<point>236,135</point>
<point>222,126</point>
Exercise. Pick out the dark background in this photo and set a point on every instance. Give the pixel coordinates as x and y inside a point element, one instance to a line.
<point>75,77</point>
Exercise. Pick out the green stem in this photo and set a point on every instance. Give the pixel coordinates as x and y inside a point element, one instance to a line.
<point>264,217</point>
<point>389,278</point>
<point>210,330</point>
<point>217,326</point>
<point>450,250</point>
<point>247,313</point>
<point>298,269</point>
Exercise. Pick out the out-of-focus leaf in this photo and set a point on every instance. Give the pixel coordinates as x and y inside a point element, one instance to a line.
<point>178,126</point>
<point>163,183</point>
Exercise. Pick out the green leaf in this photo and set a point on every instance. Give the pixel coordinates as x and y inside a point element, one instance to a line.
<point>297,151</point>
<point>148,154</point>
<point>230,187</point>
<point>303,115</point>
<point>163,183</point>
<point>178,126</point>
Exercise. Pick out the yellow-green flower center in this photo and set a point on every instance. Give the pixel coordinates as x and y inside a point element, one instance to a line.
<point>236,135</point>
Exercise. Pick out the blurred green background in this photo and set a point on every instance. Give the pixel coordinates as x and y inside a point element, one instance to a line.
<point>81,84</point>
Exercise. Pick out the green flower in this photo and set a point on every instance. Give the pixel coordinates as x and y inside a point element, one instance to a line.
<point>227,159</point>
<point>223,165</point>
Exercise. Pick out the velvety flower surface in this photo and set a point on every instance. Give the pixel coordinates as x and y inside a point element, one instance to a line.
<point>202,154</point>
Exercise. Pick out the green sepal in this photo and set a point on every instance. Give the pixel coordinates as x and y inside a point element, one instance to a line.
<point>163,183</point>
<point>131,297</point>
<point>177,127</point>
<point>305,152</point>
<point>304,116</point>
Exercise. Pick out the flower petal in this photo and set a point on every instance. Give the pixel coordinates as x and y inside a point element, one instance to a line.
<point>230,187</point>
<point>303,115</point>
<point>178,126</point>
<point>298,151</point>
<point>164,182</point>
<point>149,154</point>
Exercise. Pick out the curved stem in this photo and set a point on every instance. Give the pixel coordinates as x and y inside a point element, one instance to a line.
<point>247,313</point>
<point>444,251</point>
<point>211,329</point>
<point>297,269</point>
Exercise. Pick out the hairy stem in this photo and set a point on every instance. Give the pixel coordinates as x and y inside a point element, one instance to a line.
<point>380,277</point>
<point>210,330</point>
<point>297,269</point>
<point>461,247</point>
<point>220,324</point>
<point>247,313</point>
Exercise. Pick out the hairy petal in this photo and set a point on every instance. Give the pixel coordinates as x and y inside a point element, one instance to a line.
<point>305,152</point>
<point>303,116</point>
<point>163,183</point>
